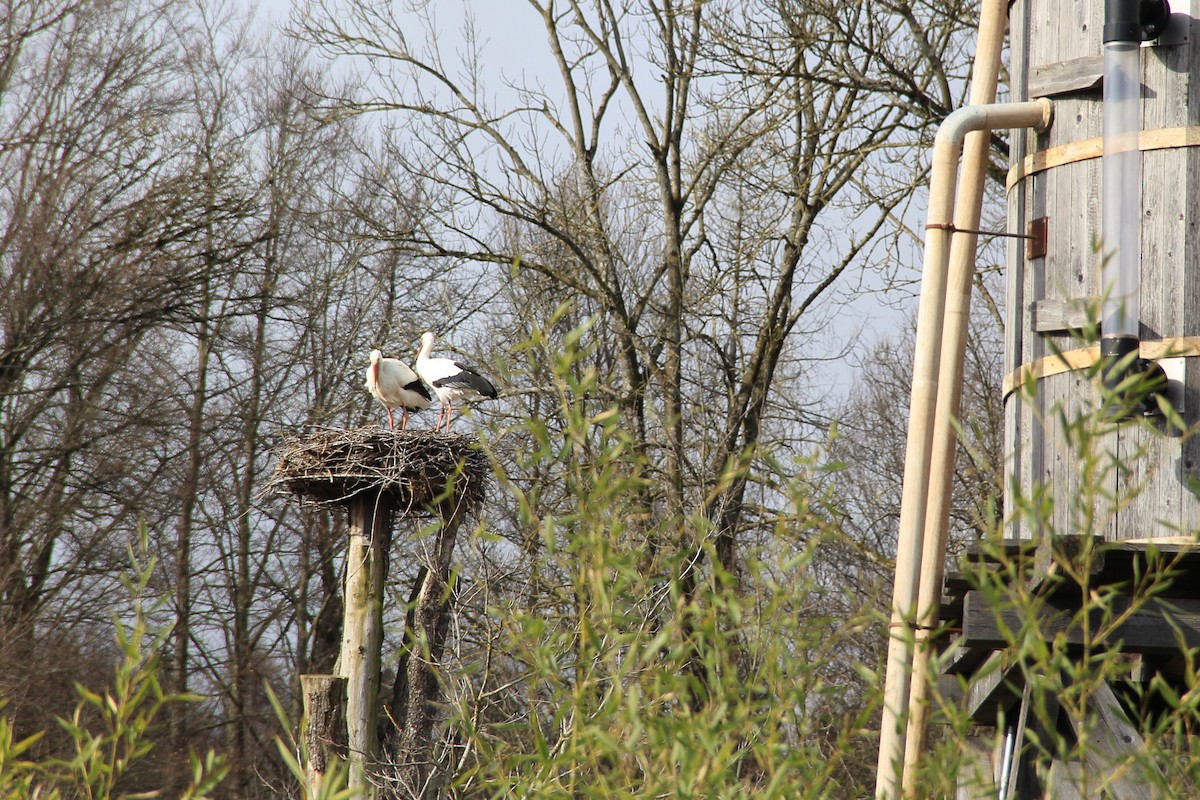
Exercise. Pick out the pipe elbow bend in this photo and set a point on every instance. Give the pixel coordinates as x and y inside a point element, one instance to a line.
<point>1036,114</point>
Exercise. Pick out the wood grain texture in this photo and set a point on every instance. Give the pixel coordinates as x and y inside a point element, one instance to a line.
<point>1093,148</point>
<point>1063,77</point>
<point>1059,175</point>
<point>1147,626</point>
<point>1111,743</point>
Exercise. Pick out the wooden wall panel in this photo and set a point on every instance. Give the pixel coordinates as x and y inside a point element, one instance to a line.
<point>1054,47</point>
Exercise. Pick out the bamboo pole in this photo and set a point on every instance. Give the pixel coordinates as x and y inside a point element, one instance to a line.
<point>362,632</point>
<point>910,543</point>
<point>985,73</point>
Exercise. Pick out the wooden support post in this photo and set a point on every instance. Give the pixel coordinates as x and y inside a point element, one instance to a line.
<point>324,726</point>
<point>1112,748</point>
<point>362,633</point>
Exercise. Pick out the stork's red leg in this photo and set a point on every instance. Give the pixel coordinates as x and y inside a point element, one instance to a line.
<point>391,421</point>
<point>404,418</point>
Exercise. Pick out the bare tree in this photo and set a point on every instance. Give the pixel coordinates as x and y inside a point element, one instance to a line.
<point>94,213</point>
<point>869,444</point>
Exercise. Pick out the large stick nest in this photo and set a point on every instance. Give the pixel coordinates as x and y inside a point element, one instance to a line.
<point>331,466</point>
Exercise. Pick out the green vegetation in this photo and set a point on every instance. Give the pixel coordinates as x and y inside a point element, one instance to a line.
<point>631,686</point>
<point>114,730</point>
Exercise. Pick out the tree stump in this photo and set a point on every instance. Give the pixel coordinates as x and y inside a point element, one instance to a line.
<point>324,727</point>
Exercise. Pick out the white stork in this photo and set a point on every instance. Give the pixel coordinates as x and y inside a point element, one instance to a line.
<point>396,386</point>
<point>450,379</point>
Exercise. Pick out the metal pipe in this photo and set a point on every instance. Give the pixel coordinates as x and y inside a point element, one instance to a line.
<point>1006,759</point>
<point>985,76</point>
<point>947,147</point>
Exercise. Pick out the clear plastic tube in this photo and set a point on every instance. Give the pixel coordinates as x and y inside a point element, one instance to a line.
<point>1122,192</point>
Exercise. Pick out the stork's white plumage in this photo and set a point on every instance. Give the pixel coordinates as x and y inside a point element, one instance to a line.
<point>396,386</point>
<point>450,379</point>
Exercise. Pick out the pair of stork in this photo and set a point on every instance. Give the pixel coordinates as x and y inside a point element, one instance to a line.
<point>396,385</point>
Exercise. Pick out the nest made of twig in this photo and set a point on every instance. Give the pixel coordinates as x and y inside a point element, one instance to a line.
<point>331,466</point>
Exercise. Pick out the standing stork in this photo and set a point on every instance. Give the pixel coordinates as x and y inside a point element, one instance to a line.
<point>450,379</point>
<point>396,386</point>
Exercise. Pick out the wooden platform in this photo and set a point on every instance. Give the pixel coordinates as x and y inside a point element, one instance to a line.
<point>1143,598</point>
<point>1006,599</point>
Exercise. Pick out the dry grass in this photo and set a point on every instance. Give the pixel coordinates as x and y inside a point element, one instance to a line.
<point>330,466</point>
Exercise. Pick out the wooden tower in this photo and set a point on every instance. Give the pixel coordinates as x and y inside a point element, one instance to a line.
<point>381,476</point>
<point>1054,284</point>
<point>1096,502</point>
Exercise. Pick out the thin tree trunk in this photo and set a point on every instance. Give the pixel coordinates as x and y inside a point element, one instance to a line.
<point>417,692</point>
<point>189,493</point>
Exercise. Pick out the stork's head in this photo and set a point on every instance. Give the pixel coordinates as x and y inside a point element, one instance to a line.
<point>426,345</point>
<point>373,370</point>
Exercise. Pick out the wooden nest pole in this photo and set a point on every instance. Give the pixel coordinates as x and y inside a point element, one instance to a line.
<point>362,627</point>
<point>381,475</point>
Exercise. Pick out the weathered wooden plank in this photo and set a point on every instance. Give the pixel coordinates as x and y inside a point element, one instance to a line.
<point>1148,628</point>
<point>1150,478</point>
<point>1188,466</point>
<point>1059,274</point>
<point>1069,272</point>
<point>1189,456</point>
<point>1110,743</point>
<point>1014,328</point>
<point>1065,316</point>
<point>1135,494</point>
<point>1043,296</point>
<point>965,660</point>
<point>975,782</point>
<point>997,687</point>
<point>1093,150</point>
<point>1064,780</point>
<point>1061,464</point>
<point>1169,270</point>
<point>1062,77</point>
